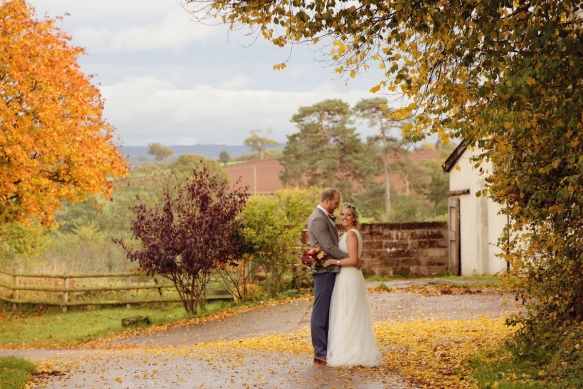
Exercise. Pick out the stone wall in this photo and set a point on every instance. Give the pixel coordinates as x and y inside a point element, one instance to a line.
<point>419,248</point>
<point>405,248</point>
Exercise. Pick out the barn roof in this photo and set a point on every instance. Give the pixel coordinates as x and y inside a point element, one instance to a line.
<point>454,156</point>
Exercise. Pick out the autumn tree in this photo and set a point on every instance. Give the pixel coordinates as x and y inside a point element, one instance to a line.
<point>259,143</point>
<point>159,152</point>
<point>224,157</point>
<point>504,76</point>
<point>55,144</point>
<point>192,230</point>
<point>326,151</point>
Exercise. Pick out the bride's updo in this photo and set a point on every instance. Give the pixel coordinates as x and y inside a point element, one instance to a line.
<point>355,211</point>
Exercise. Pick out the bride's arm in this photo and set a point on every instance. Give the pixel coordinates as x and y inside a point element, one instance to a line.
<point>352,245</point>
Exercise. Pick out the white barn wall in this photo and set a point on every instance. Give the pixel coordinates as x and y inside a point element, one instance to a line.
<point>497,224</point>
<point>480,223</point>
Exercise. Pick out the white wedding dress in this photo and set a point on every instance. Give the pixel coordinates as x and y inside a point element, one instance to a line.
<point>351,340</point>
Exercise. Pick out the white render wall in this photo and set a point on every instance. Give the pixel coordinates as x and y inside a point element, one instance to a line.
<point>480,223</point>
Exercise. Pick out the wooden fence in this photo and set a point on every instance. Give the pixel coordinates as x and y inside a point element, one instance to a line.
<point>132,281</point>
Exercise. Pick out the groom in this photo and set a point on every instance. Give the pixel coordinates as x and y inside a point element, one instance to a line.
<point>323,234</point>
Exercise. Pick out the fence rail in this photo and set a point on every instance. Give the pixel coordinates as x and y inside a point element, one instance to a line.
<point>14,289</point>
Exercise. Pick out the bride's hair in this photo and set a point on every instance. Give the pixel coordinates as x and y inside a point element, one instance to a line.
<point>355,211</point>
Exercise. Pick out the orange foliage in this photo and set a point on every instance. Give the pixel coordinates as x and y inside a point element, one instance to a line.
<point>54,143</point>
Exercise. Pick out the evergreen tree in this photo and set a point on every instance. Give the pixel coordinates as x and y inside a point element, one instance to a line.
<point>326,151</point>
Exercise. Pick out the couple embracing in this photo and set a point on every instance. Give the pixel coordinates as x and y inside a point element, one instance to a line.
<point>341,322</point>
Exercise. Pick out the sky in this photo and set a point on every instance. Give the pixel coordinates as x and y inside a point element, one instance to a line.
<point>168,79</point>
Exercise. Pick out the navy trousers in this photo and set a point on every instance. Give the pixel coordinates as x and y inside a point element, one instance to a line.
<point>323,286</point>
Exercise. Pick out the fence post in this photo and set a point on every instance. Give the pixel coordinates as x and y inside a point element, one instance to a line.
<point>128,291</point>
<point>66,293</point>
<point>15,291</point>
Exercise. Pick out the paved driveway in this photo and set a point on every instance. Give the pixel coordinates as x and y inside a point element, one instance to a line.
<point>163,359</point>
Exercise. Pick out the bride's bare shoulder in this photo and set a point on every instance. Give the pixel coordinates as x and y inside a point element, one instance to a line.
<point>354,232</point>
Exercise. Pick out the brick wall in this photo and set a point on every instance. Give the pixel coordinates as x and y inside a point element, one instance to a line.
<point>419,248</point>
<point>405,248</point>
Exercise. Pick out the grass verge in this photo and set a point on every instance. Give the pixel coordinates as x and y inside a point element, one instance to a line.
<point>379,278</point>
<point>15,372</point>
<point>455,281</point>
<point>51,328</point>
<point>497,369</point>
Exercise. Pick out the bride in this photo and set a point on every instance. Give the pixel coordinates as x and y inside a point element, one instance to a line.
<point>351,340</point>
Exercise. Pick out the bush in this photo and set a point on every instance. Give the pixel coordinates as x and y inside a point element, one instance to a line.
<point>256,293</point>
<point>555,349</point>
<point>273,226</point>
<point>303,279</point>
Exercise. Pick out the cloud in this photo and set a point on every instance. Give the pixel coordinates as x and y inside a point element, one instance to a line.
<point>236,82</point>
<point>174,32</point>
<point>167,79</point>
<point>149,109</point>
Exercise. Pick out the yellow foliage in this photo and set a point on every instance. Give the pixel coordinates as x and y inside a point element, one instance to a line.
<point>375,89</point>
<point>427,352</point>
<point>23,240</point>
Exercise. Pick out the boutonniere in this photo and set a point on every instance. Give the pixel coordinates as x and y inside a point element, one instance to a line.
<point>332,217</point>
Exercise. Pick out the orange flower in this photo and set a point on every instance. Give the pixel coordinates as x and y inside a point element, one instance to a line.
<point>313,258</point>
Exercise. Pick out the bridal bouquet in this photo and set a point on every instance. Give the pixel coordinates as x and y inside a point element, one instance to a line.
<point>314,258</point>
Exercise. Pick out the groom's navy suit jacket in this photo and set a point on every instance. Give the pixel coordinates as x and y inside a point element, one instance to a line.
<point>324,235</point>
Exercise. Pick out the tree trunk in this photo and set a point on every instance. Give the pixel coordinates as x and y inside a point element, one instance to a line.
<point>386,173</point>
<point>387,189</point>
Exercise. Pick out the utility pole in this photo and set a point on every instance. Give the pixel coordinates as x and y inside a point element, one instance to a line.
<point>254,179</point>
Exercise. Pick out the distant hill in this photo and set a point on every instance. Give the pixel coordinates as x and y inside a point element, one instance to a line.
<point>210,151</point>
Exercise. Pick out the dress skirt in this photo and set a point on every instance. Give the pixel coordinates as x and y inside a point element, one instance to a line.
<point>351,339</point>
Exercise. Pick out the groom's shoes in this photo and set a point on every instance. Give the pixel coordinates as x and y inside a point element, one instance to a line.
<point>320,359</point>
